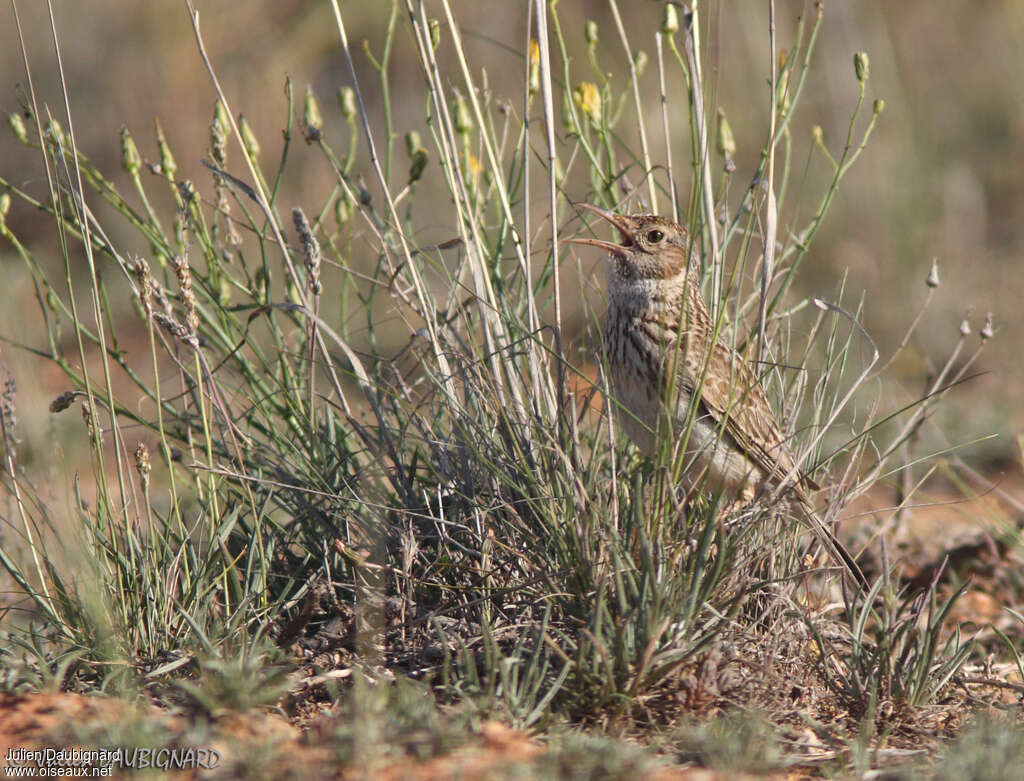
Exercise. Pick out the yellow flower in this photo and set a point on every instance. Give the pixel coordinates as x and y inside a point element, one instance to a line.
<point>588,100</point>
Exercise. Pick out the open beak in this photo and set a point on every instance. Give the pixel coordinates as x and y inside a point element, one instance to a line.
<point>625,226</point>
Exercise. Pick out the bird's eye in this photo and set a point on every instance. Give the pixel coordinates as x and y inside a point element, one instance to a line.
<point>654,236</point>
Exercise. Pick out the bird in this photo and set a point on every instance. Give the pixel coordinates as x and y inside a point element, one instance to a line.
<point>662,350</point>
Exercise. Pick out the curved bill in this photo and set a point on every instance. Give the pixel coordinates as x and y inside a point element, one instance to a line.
<point>625,226</point>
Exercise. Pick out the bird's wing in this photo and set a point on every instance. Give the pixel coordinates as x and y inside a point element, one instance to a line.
<point>731,392</point>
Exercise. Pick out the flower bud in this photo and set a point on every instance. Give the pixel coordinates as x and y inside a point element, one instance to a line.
<point>420,158</point>
<point>413,142</point>
<point>987,331</point>
<point>311,116</point>
<point>417,154</point>
<point>933,274</point>
<point>640,62</point>
<point>220,114</point>
<point>342,209</point>
<point>17,124</point>
<point>54,133</point>
<point>965,328</point>
<point>435,33</point>
<point>818,134</point>
<point>249,140</point>
<point>590,33</point>
<point>861,66</point>
<point>534,66</point>
<point>567,116</point>
<point>167,162</point>
<point>347,103</point>
<point>463,120</point>
<point>878,107</point>
<point>725,139</point>
<point>261,285</point>
<point>670,21</point>
<point>782,91</point>
<point>130,160</point>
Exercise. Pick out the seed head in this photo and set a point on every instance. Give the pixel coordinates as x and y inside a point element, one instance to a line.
<point>8,410</point>
<point>310,248</point>
<point>65,400</point>
<point>142,463</point>
<point>188,297</point>
<point>219,126</point>
<point>175,329</point>
<point>141,270</point>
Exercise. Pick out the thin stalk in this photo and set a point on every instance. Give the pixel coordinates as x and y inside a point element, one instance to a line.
<point>651,187</point>
<point>663,96</point>
<point>771,208</point>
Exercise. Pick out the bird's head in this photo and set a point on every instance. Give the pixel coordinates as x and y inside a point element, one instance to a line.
<point>649,248</point>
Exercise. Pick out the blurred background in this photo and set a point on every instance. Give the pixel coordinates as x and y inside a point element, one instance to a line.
<point>941,177</point>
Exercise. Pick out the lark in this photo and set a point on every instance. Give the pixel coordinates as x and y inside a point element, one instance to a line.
<point>662,350</point>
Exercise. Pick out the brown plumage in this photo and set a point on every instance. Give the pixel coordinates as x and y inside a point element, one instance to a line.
<point>661,346</point>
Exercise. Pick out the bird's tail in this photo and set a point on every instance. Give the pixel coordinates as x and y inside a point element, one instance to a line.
<point>836,549</point>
